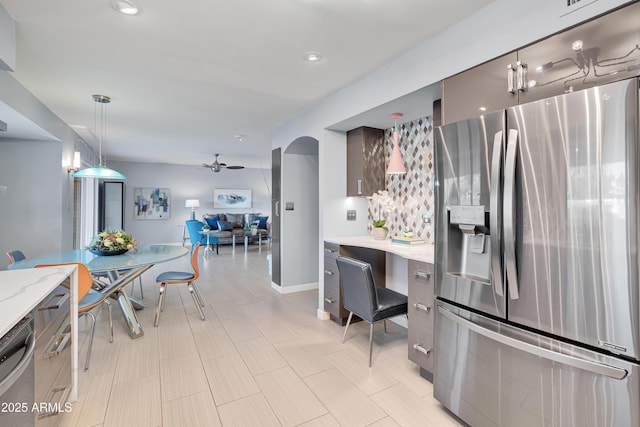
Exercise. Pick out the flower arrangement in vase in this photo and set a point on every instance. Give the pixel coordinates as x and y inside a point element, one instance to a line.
<point>112,242</point>
<point>384,203</point>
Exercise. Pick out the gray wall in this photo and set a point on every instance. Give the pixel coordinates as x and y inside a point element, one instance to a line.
<point>300,225</point>
<point>187,182</point>
<point>35,211</point>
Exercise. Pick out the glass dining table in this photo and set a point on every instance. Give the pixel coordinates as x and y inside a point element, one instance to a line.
<point>135,262</point>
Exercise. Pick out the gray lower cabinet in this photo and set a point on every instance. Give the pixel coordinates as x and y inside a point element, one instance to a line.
<point>332,298</point>
<point>421,316</point>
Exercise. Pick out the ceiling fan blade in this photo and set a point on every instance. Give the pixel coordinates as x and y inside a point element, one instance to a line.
<point>235,167</point>
<point>222,164</point>
<point>207,166</point>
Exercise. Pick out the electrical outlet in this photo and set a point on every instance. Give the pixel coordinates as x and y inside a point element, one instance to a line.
<point>426,217</point>
<point>288,206</point>
<point>351,215</point>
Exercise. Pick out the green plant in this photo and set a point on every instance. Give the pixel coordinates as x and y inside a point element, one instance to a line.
<point>113,240</point>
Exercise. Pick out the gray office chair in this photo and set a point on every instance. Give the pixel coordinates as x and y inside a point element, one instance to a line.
<point>360,296</point>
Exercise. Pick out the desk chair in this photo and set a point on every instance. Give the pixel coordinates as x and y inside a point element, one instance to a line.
<point>178,277</point>
<point>87,300</point>
<point>360,296</point>
<point>15,255</point>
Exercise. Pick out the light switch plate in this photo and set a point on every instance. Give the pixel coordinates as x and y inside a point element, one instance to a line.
<point>351,215</point>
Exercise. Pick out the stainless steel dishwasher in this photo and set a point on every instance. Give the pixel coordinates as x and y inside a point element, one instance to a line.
<point>17,388</point>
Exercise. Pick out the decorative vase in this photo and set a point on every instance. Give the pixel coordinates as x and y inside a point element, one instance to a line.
<point>107,253</point>
<point>379,233</point>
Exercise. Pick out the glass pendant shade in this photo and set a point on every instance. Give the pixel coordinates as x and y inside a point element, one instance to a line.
<point>396,165</point>
<point>100,171</point>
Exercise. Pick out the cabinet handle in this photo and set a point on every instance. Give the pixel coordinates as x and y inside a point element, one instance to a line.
<point>421,349</point>
<point>522,77</point>
<point>329,251</point>
<point>422,307</point>
<point>329,300</point>
<point>329,273</point>
<point>359,186</point>
<point>55,345</point>
<point>422,274</point>
<point>511,79</point>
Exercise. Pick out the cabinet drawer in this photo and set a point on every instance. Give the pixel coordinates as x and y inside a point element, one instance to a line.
<point>420,348</point>
<point>330,268</point>
<point>332,300</point>
<point>331,250</point>
<point>420,295</point>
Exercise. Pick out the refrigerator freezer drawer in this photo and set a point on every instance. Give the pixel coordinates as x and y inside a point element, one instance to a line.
<point>492,374</point>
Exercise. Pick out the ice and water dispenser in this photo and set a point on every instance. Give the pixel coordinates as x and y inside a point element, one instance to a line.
<point>469,248</point>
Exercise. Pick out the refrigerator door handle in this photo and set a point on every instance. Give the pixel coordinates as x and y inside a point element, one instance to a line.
<point>495,214</point>
<point>509,213</point>
<point>576,362</point>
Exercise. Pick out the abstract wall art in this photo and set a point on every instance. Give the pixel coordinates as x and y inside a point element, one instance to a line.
<point>152,203</point>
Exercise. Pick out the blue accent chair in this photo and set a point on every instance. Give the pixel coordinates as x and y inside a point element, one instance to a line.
<point>193,227</point>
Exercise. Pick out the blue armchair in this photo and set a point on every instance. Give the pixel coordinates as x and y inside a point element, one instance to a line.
<point>194,226</point>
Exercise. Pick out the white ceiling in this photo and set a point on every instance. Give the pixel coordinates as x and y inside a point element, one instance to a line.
<point>186,76</point>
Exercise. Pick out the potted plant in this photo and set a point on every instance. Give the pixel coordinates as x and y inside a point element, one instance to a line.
<point>384,203</point>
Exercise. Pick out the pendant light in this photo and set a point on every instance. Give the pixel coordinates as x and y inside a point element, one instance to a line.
<point>396,165</point>
<point>101,171</point>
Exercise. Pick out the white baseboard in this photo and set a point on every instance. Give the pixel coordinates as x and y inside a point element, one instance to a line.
<point>296,288</point>
<point>323,315</point>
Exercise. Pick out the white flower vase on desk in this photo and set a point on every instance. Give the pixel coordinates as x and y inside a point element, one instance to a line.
<point>379,233</point>
<point>384,202</point>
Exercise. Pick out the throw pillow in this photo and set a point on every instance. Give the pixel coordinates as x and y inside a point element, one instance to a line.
<point>212,221</point>
<point>236,220</point>
<point>225,226</point>
<point>262,221</point>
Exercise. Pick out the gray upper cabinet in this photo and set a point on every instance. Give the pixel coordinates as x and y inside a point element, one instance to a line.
<point>365,161</point>
<point>600,51</point>
<point>603,50</point>
<point>482,88</point>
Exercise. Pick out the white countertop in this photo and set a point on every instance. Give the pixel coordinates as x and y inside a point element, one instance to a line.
<point>422,253</point>
<point>22,290</point>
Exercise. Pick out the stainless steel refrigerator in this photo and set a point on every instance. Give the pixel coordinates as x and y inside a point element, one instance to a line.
<point>537,310</point>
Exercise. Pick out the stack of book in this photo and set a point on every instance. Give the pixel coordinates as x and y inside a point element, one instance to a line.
<point>408,240</point>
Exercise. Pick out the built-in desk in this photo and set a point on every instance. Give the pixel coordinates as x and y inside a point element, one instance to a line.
<point>408,270</point>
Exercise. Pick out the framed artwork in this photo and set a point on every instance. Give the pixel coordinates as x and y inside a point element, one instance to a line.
<point>227,198</point>
<point>152,203</point>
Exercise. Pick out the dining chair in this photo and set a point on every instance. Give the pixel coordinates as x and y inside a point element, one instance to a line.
<point>15,255</point>
<point>88,298</point>
<point>178,277</point>
<point>361,296</point>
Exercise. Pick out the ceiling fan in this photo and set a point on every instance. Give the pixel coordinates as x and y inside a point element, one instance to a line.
<point>216,166</point>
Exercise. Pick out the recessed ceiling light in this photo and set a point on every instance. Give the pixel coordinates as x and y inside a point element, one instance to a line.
<point>312,56</point>
<point>239,137</point>
<point>125,6</point>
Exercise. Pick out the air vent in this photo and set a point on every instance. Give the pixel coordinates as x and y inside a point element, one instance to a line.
<point>569,6</point>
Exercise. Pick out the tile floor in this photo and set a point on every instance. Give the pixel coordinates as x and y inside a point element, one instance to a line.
<point>259,359</point>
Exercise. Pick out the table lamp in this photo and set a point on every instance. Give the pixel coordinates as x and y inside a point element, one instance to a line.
<point>193,204</point>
